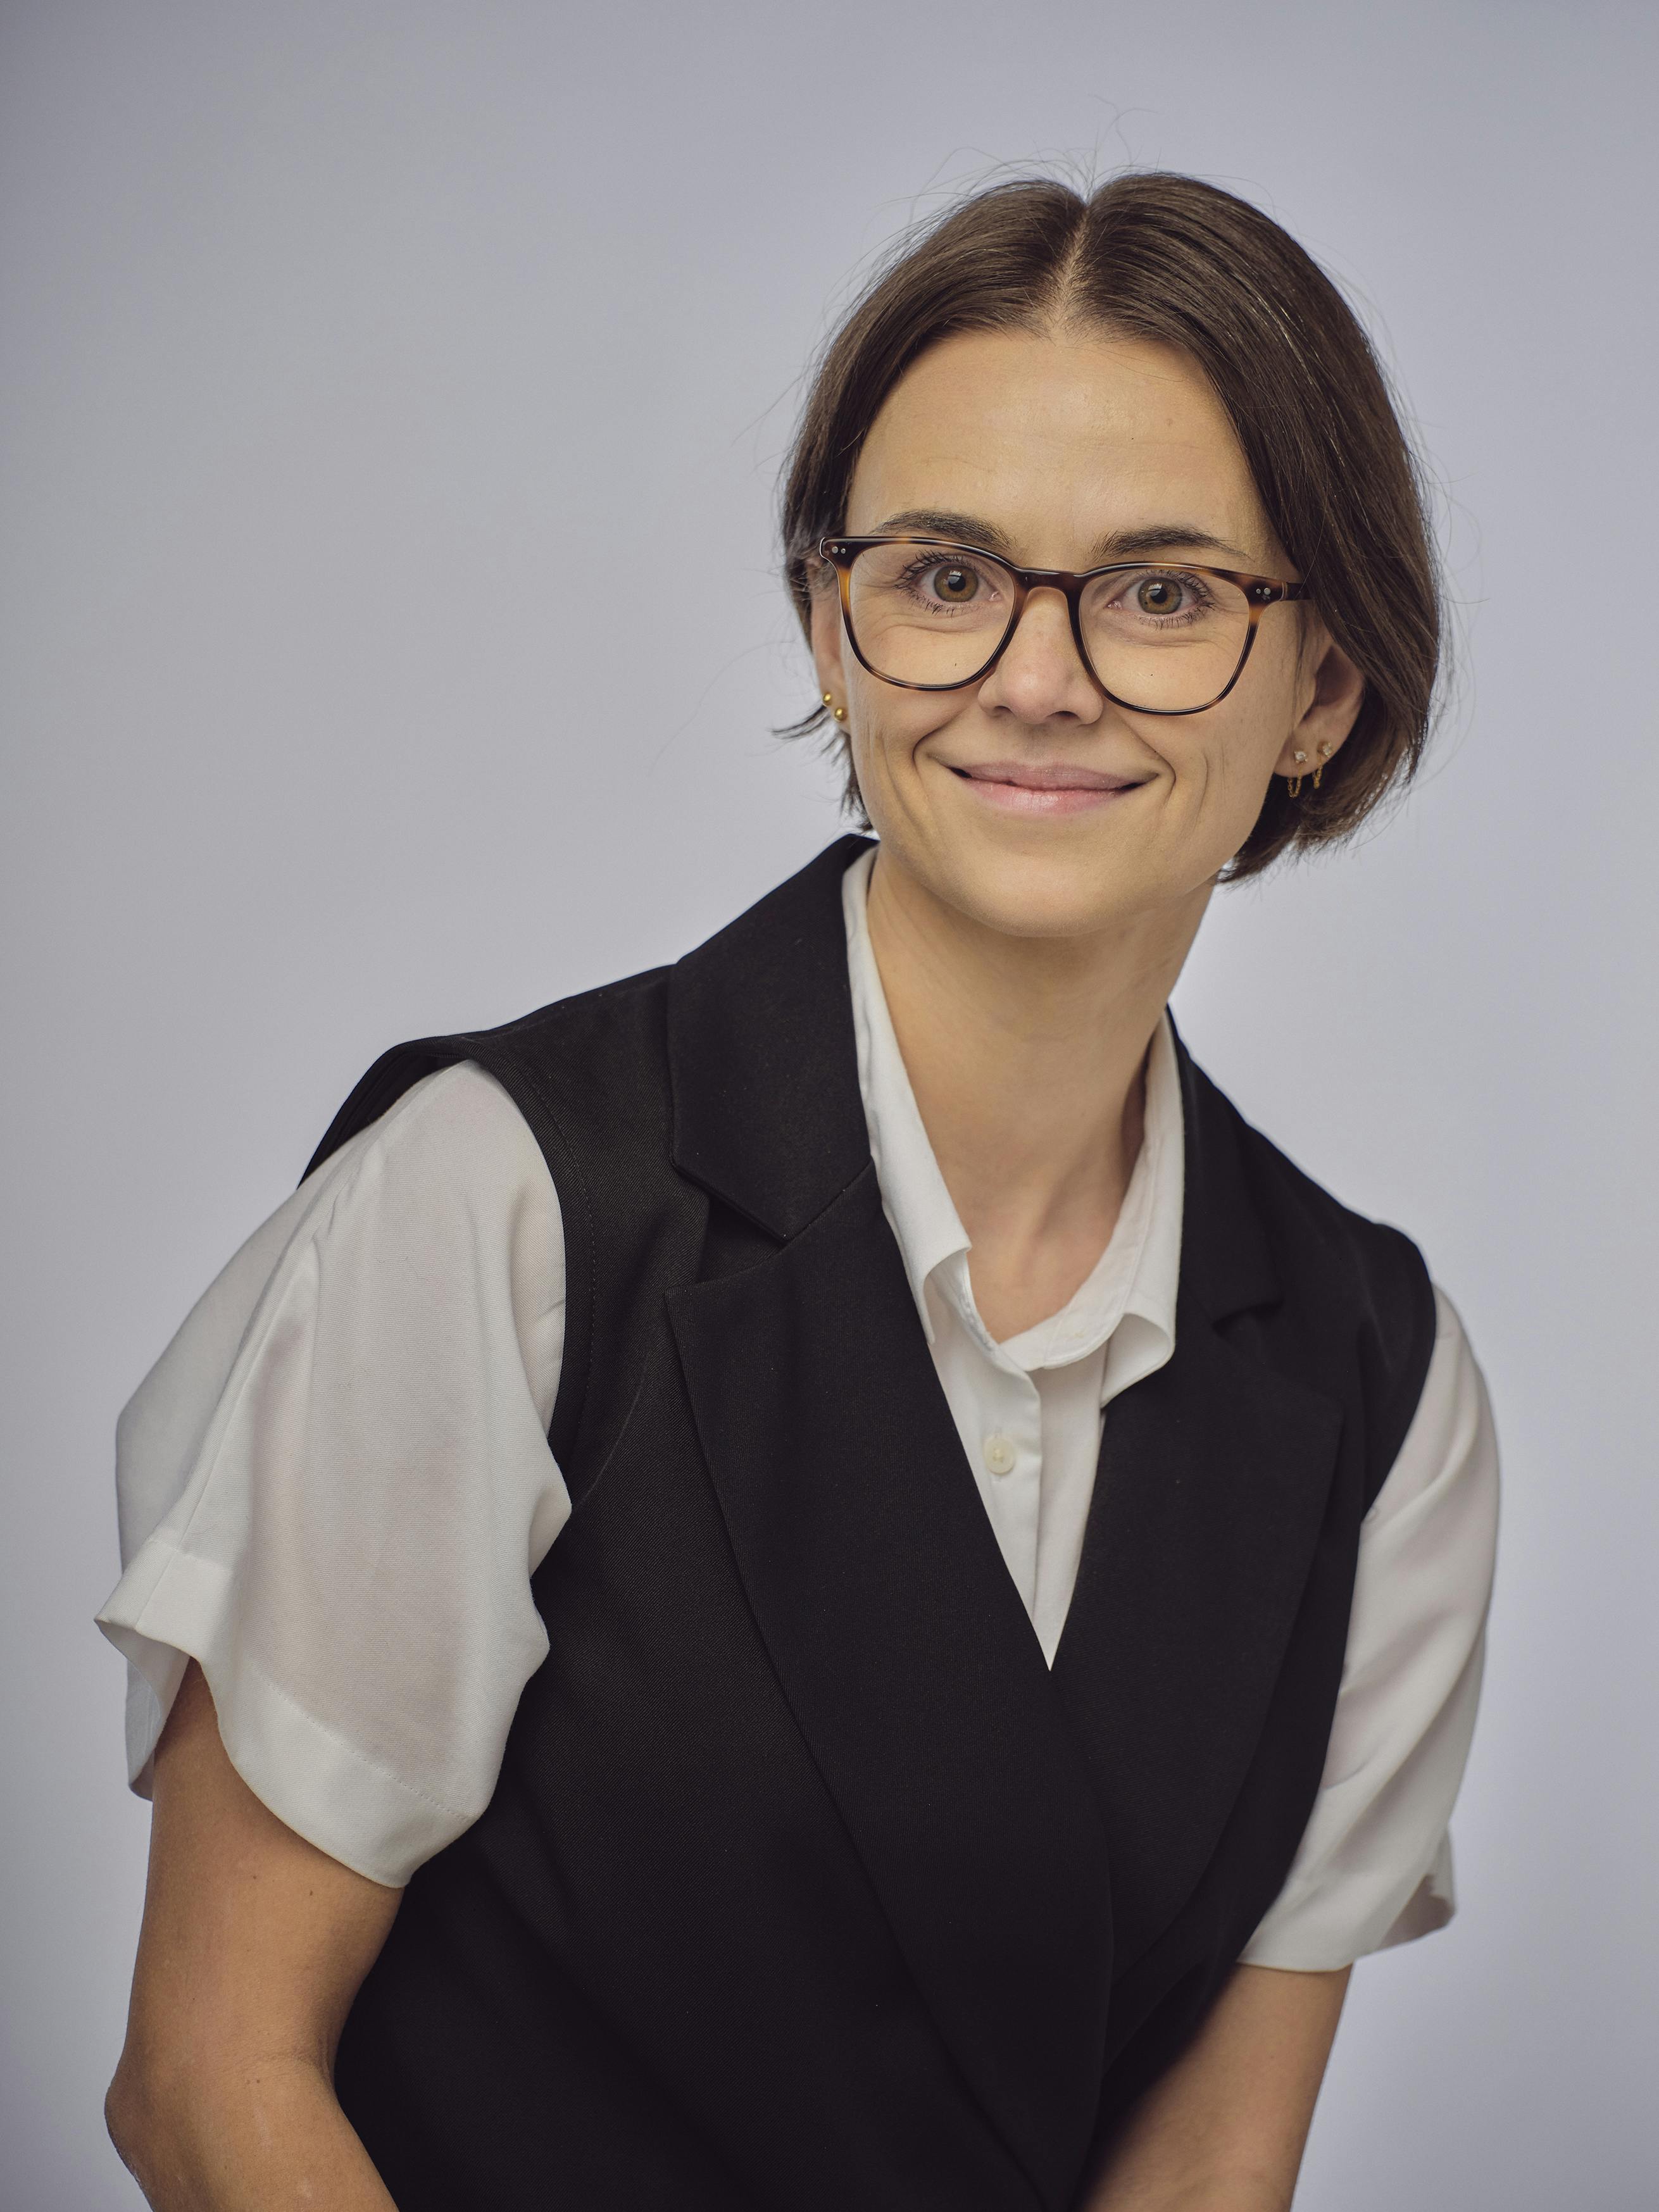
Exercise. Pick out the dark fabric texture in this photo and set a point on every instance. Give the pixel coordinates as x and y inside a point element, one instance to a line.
<point>806,1884</point>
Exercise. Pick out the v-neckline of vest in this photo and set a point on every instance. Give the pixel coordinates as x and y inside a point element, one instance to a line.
<point>1031,1832</point>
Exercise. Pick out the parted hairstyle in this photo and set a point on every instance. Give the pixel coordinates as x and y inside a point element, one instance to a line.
<point>1167,257</point>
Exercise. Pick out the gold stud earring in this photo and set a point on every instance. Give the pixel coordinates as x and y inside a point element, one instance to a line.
<point>839,713</point>
<point>1325,751</point>
<point>827,700</point>
<point>1293,784</point>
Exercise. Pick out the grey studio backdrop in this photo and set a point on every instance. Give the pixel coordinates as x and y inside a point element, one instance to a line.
<point>392,398</point>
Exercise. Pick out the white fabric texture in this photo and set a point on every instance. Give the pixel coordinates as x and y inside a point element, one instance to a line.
<point>335,1483</point>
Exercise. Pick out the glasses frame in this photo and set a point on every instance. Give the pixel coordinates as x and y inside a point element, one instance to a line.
<point>1260,592</point>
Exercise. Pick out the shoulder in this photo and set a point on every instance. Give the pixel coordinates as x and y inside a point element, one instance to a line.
<point>596,1064</point>
<point>610,1018</point>
<point>555,1064</point>
<point>1379,1265</point>
<point>1311,1231</point>
<point>1346,1287</point>
<point>1447,1462</point>
<point>447,1188</point>
<point>454,1131</point>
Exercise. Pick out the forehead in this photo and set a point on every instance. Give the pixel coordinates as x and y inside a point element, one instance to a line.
<point>1058,440</point>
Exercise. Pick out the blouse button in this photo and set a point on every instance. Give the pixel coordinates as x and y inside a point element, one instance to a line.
<point>999,1454</point>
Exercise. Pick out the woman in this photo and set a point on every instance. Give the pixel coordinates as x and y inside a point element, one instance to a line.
<point>814,1580</point>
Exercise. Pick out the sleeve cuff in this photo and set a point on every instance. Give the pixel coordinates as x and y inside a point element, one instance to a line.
<point>170,1608</point>
<point>1302,1945</point>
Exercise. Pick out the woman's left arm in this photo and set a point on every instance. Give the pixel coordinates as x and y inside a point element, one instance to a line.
<point>1224,2129</point>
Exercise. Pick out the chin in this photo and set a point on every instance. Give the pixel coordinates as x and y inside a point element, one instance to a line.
<point>1049,895</point>
<point>1046,879</point>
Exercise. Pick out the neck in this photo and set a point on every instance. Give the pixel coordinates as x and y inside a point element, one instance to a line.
<point>1027,1058</point>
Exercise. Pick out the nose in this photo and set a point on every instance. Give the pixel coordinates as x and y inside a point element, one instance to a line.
<point>1040,677</point>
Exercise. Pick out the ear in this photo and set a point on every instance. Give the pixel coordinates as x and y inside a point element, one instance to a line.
<point>1332,692</point>
<point>829,639</point>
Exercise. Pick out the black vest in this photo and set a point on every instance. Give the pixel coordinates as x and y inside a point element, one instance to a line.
<point>807,1886</point>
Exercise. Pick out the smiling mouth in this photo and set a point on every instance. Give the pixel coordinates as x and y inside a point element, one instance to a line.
<point>1043,787</point>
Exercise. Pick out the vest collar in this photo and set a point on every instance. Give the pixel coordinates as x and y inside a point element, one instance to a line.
<point>767,1114</point>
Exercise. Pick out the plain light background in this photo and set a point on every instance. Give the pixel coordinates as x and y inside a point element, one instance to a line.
<point>392,398</point>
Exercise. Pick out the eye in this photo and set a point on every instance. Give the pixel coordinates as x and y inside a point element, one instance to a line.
<point>1159,595</point>
<point>953,583</point>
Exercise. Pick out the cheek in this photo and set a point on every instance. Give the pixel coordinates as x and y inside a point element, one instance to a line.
<point>1221,772</point>
<point>1233,750</point>
<point>886,728</point>
<point>872,753</point>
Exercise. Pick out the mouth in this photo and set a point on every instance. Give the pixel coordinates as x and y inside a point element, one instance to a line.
<point>1044,788</point>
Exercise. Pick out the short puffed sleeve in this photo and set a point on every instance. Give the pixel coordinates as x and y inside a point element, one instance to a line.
<point>1375,1867</point>
<point>335,1485</point>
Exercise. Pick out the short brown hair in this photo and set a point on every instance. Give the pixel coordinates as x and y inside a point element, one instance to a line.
<point>1167,257</point>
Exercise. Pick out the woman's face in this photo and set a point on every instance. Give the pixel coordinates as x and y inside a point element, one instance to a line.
<point>1028,802</point>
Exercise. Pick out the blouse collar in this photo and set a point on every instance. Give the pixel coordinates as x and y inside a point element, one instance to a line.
<point>1136,1277</point>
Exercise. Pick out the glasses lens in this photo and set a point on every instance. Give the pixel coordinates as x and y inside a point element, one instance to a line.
<point>928,614</point>
<point>1165,639</point>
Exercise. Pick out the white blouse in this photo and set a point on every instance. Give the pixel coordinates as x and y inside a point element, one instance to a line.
<point>334,1486</point>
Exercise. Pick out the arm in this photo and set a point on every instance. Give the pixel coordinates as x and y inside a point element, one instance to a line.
<point>252,1947</point>
<point>1224,2129</point>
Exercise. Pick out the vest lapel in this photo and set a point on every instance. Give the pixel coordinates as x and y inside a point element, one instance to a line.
<point>986,1798</point>
<point>909,1663</point>
<point>869,1563</point>
<point>1211,1492</point>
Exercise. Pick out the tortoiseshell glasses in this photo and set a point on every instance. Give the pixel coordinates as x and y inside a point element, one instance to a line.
<point>1159,637</point>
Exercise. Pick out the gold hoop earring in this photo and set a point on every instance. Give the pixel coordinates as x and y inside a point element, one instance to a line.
<point>1325,752</point>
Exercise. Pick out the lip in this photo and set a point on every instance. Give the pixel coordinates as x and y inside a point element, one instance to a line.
<point>1042,787</point>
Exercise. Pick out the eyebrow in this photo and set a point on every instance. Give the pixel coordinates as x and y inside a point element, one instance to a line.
<point>1116,546</point>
